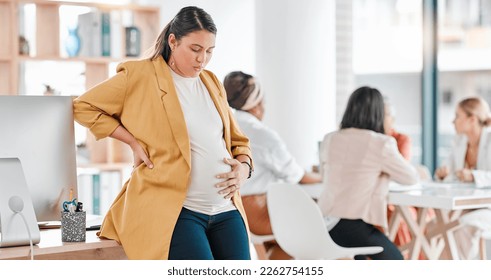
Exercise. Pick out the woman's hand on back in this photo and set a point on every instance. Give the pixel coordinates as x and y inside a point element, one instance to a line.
<point>139,155</point>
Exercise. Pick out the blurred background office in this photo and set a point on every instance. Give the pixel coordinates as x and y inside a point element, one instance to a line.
<point>425,55</point>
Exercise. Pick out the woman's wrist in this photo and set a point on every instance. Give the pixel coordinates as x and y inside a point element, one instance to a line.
<point>250,168</point>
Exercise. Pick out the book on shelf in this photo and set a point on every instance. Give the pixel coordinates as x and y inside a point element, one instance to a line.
<point>116,34</point>
<point>106,34</point>
<point>96,194</point>
<point>97,190</point>
<point>84,183</point>
<point>89,28</point>
<point>95,33</point>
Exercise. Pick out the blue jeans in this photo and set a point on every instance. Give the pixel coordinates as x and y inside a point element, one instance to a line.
<point>203,237</point>
<point>357,233</point>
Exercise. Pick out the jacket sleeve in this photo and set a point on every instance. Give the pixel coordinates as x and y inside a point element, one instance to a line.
<point>482,176</point>
<point>239,141</point>
<point>399,169</point>
<point>99,109</point>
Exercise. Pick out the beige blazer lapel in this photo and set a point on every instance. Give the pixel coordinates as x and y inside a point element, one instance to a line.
<point>216,93</point>
<point>172,107</point>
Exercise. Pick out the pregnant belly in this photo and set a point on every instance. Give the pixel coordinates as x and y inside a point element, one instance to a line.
<point>202,188</point>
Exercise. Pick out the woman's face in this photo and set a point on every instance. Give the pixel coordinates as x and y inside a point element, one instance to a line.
<point>388,119</point>
<point>192,53</point>
<point>462,121</point>
<point>260,110</point>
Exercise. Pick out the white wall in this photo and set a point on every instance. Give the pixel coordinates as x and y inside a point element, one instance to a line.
<point>295,63</point>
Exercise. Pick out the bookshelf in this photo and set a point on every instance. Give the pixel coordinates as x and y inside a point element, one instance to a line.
<point>46,21</point>
<point>47,39</point>
<point>109,160</point>
<point>99,184</point>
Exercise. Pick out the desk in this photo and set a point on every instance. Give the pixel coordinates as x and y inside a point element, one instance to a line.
<point>51,248</point>
<point>448,202</point>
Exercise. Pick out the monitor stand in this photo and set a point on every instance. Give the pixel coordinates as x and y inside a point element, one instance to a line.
<point>18,224</point>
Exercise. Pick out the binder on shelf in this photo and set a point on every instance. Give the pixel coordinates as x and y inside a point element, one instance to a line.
<point>84,183</point>
<point>89,31</point>
<point>110,188</point>
<point>116,34</point>
<point>106,34</point>
<point>97,189</point>
<point>96,194</point>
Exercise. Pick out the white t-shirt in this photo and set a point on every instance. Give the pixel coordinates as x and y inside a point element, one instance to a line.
<point>205,130</point>
<point>272,160</point>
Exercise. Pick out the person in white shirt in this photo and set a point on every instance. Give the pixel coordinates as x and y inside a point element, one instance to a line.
<point>469,161</point>
<point>470,157</point>
<point>272,160</point>
<point>357,162</point>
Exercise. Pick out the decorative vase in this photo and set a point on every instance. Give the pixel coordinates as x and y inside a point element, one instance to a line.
<point>72,42</point>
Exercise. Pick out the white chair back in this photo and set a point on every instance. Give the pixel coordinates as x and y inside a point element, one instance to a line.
<point>299,227</point>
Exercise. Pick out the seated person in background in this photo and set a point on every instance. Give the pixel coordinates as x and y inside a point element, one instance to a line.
<point>469,160</point>
<point>470,157</point>
<point>403,141</point>
<point>358,161</point>
<point>404,146</point>
<point>272,160</point>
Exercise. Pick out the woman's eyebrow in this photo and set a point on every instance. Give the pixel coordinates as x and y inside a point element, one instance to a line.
<point>198,45</point>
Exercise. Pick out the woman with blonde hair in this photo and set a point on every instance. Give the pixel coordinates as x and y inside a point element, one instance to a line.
<point>469,161</point>
<point>470,158</point>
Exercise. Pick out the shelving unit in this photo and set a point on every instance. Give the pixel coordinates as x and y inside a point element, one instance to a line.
<point>110,160</point>
<point>146,18</point>
<point>99,184</point>
<point>46,48</point>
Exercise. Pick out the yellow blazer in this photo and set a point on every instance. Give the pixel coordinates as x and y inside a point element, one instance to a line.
<point>142,98</point>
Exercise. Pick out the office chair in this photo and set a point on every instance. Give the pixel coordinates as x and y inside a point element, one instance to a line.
<point>258,242</point>
<point>299,228</point>
<point>481,219</point>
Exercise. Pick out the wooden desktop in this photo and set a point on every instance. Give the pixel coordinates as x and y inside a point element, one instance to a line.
<point>51,248</point>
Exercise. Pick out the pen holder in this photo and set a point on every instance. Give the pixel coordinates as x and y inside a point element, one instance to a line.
<point>73,226</point>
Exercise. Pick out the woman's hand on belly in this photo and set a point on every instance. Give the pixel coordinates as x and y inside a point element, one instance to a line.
<point>232,181</point>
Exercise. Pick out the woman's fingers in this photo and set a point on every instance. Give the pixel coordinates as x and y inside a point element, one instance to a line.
<point>229,192</point>
<point>230,161</point>
<point>141,157</point>
<point>148,162</point>
<point>231,182</point>
<point>227,183</point>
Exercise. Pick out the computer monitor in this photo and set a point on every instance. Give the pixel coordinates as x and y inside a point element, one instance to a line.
<point>39,130</point>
